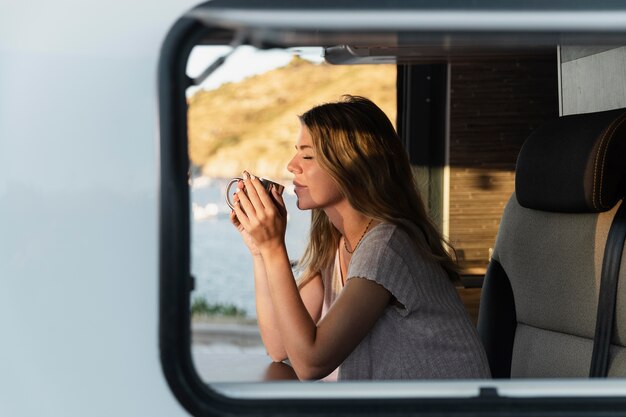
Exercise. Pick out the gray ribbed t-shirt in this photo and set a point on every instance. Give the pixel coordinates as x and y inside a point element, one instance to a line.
<point>431,336</point>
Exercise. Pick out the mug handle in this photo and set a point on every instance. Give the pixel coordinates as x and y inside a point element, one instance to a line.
<point>230,184</point>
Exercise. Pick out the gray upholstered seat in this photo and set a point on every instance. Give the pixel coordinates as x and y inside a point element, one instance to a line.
<point>540,295</point>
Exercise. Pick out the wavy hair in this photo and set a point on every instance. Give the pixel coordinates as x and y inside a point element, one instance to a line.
<point>358,146</point>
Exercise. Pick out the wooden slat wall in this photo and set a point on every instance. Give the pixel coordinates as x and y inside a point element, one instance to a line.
<point>494,106</point>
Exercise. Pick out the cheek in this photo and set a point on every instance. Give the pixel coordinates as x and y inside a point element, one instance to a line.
<point>327,189</point>
<point>322,187</point>
<point>322,180</point>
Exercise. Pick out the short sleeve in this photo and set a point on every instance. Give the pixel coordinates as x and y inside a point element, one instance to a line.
<point>382,257</point>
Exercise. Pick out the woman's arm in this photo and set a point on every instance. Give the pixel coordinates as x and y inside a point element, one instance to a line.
<point>312,295</point>
<point>314,349</point>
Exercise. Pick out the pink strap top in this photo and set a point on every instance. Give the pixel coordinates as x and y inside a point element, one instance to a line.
<point>333,284</point>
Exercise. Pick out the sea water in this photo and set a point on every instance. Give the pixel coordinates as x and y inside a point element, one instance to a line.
<point>220,262</point>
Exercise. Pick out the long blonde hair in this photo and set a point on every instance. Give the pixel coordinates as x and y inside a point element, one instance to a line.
<point>358,146</point>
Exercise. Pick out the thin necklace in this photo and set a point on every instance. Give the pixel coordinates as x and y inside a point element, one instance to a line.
<point>345,245</point>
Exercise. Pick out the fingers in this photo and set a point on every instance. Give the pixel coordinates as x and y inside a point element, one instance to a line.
<point>264,206</point>
<point>256,202</point>
<point>240,214</point>
<point>280,202</point>
<point>234,219</point>
<point>255,192</point>
<point>235,202</point>
<point>262,194</point>
<point>243,202</point>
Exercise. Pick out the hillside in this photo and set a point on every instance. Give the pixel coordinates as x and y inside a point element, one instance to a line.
<point>253,124</point>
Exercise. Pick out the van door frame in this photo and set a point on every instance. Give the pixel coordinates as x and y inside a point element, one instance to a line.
<point>176,283</point>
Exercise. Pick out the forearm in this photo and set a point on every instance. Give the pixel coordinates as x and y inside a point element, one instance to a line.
<point>296,326</point>
<point>270,333</point>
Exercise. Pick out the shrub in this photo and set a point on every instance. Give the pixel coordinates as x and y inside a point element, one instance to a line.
<point>200,307</point>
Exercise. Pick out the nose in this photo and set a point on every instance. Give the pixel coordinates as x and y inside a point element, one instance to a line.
<point>293,166</point>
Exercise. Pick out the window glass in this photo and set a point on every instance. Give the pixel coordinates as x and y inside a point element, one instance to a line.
<point>244,116</point>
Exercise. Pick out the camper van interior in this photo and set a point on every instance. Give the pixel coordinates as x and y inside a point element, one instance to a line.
<point>512,114</point>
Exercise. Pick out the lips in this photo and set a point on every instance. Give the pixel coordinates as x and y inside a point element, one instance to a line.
<point>298,187</point>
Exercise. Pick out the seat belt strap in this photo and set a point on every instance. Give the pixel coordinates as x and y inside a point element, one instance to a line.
<point>607,298</point>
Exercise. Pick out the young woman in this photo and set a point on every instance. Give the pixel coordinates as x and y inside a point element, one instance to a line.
<point>376,298</point>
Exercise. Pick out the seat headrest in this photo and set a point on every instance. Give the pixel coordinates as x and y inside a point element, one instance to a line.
<point>574,164</point>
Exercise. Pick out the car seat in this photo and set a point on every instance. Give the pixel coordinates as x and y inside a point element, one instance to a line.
<point>539,303</point>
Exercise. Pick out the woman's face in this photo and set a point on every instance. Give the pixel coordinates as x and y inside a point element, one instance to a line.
<point>314,187</point>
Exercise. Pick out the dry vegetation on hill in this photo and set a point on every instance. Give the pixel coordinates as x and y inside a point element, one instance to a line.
<point>253,124</point>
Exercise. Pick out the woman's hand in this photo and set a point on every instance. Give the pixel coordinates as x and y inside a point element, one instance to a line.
<point>262,216</point>
<point>247,239</point>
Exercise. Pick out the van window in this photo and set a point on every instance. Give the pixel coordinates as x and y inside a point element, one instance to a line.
<point>464,101</point>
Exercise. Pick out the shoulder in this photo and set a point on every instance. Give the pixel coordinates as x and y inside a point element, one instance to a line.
<point>389,248</point>
<point>387,256</point>
<point>383,233</point>
<point>386,238</point>
<point>386,243</point>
